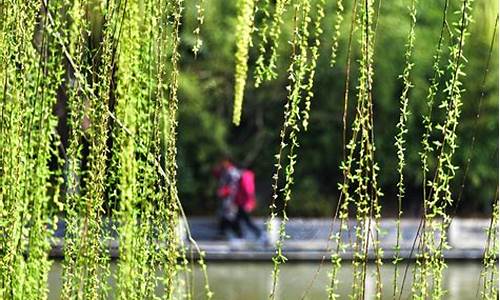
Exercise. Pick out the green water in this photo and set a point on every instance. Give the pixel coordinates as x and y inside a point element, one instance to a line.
<point>252,281</point>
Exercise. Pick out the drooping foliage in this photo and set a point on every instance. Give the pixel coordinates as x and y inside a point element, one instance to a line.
<point>207,94</point>
<point>243,42</point>
<point>489,276</point>
<point>110,72</point>
<point>438,197</point>
<point>31,72</point>
<point>360,190</point>
<point>200,17</point>
<point>89,135</point>
<point>86,260</point>
<point>269,34</point>
<point>401,137</point>
<point>339,17</point>
<point>301,73</point>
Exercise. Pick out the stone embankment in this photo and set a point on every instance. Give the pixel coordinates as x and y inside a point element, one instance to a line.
<point>308,239</point>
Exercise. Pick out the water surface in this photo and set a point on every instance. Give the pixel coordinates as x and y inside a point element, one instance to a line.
<point>252,281</point>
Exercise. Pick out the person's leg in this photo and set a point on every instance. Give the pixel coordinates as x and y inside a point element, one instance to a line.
<point>235,225</point>
<point>223,225</point>
<point>245,217</point>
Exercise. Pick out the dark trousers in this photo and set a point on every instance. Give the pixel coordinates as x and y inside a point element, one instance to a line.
<point>244,217</point>
<point>235,225</point>
<point>226,224</point>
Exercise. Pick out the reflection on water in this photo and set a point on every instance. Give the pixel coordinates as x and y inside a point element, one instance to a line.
<point>252,281</point>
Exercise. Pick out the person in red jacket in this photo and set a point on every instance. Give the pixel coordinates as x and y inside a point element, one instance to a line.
<point>228,176</point>
<point>246,202</point>
<point>236,191</point>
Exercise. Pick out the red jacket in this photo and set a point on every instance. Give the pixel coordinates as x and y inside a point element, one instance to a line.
<point>245,196</point>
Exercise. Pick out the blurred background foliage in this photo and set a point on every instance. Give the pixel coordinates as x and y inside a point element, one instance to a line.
<point>206,90</point>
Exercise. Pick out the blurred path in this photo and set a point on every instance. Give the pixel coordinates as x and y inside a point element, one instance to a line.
<point>309,240</point>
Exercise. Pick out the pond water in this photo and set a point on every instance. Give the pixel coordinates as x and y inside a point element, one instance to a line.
<point>252,281</point>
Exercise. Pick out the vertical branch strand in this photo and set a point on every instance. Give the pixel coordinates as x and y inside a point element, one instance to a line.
<point>401,136</point>
<point>244,30</point>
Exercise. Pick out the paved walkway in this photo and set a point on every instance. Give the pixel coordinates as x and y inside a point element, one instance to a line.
<point>309,240</point>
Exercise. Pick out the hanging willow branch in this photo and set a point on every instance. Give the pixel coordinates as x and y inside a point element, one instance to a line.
<point>360,187</point>
<point>132,79</point>
<point>314,55</point>
<point>439,197</point>
<point>339,17</point>
<point>292,110</point>
<point>169,135</point>
<point>301,77</point>
<point>401,135</point>
<point>31,74</point>
<point>478,114</point>
<point>244,30</point>
<point>265,69</point>
<point>489,274</point>
<point>365,174</point>
<point>200,18</point>
<point>427,147</point>
<point>82,235</point>
<point>342,210</point>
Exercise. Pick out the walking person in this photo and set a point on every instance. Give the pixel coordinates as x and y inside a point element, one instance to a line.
<point>236,191</point>
<point>228,181</point>
<point>246,202</point>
